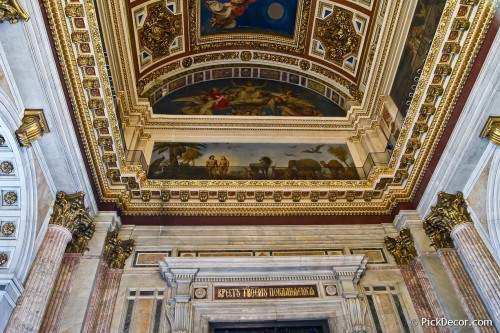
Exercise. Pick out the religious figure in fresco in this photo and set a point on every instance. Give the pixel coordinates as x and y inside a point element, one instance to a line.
<point>204,105</point>
<point>212,166</point>
<point>224,14</point>
<point>223,166</point>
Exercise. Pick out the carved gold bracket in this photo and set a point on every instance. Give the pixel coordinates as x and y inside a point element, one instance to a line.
<point>402,247</point>
<point>34,125</point>
<point>11,11</point>
<point>116,251</point>
<point>491,130</point>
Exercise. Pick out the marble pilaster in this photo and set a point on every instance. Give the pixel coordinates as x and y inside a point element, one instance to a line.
<point>108,299</point>
<point>417,295</point>
<point>59,298</point>
<point>483,268</point>
<point>471,301</point>
<point>95,301</point>
<point>429,293</point>
<point>27,316</point>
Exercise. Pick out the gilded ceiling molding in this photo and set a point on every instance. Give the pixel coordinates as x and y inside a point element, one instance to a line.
<point>438,89</point>
<point>11,11</point>
<point>33,127</point>
<point>116,250</point>
<point>401,247</point>
<point>491,130</point>
<point>4,257</point>
<point>449,212</point>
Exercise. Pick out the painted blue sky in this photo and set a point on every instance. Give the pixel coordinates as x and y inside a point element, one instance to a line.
<point>242,154</point>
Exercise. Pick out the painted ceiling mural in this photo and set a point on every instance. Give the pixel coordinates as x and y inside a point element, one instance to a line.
<point>419,39</point>
<point>247,97</point>
<point>146,51</point>
<point>249,16</point>
<point>243,161</point>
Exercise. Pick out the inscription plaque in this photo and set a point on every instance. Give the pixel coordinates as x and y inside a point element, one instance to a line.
<point>261,292</point>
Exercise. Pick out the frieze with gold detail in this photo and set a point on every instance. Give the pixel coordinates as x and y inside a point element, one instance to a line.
<point>116,250</point>
<point>401,247</point>
<point>12,11</point>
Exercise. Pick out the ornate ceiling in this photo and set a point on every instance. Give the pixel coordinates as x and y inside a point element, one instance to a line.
<point>121,58</point>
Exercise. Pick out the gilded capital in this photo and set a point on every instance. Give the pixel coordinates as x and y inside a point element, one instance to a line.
<point>33,126</point>
<point>116,251</point>
<point>71,213</point>
<point>401,247</point>
<point>491,130</point>
<point>11,11</point>
<point>449,212</point>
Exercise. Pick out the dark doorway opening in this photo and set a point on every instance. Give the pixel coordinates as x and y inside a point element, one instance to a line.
<point>292,326</point>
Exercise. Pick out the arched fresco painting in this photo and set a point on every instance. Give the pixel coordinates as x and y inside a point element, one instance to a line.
<point>240,161</point>
<point>275,17</point>
<point>247,97</point>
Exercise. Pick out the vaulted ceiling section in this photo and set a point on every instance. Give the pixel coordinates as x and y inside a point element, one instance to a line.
<point>346,99</point>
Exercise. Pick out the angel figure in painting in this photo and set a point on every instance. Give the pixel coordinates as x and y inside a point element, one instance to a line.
<point>204,104</point>
<point>291,105</point>
<point>224,13</point>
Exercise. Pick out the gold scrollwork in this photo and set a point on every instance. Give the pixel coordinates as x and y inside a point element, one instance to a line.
<point>116,250</point>
<point>277,196</point>
<point>449,212</point>
<point>10,197</point>
<point>70,212</point>
<point>8,228</point>
<point>337,35</point>
<point>491,130</point>
<point>3,259</point>
<point>80,36</point>
<point>74,10</point>
<point>6,167</point>
<point>159,30</point>
<point>246,56</point>
<point>11,11</point>
<point>2,141</point>
<point>401,247</point>
<point>33,126</point>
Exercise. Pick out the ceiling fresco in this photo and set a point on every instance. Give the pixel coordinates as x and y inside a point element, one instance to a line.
<point>343,53</point>
<point>241,161</point>
<point>247,97</point>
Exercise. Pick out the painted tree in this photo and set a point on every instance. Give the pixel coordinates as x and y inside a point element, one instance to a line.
<point>340,153</point>
<point>175,149</point>
<point>190,155</point>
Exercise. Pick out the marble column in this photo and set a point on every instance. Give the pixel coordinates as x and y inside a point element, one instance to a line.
<point>471,301</point>
<point>28,314</point>
<point>52,320</point>
<point>449,225</point>
<point>70,223</point>
<point>482,266</point>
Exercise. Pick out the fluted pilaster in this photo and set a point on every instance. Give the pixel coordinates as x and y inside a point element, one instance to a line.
<point>472,303</point>
<point>95,302</point>
<point>52,320</point>
<point>482,266</point>
<point>28,314</point>
<point>417,295</point>
<point>108,300</point>
<point>432,300</point>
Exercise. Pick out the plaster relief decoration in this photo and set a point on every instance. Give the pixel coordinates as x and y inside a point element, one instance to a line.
<point>159,32</point>
<point>203,291</point>
<point>12,11</point>
<point>240,161</point>
<point>339,34</point>
<point>249,97</point>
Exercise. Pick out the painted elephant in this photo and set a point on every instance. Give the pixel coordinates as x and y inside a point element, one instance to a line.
<point>309,168</point>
